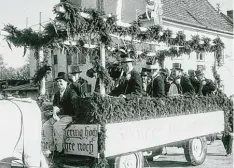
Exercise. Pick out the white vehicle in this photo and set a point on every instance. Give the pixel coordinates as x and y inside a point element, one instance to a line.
<point>20,130</point>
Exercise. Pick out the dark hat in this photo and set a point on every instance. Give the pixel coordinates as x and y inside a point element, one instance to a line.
<point>126,59</point>
<point>62,75</point>
<point>90,73</point>
<point>177,66</point>
<point>191,72</point>
<point>198,72</point>
<point>164,71</point>
<point>143,72</point>
<point>151,66</point>
<point>75,69</point>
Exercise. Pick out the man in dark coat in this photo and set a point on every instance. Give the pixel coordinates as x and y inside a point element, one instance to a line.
<point>131,82</point>
<point>144,77</point>
<point>64,110</point>
<point>182,81</point>
<point>206,86</point>
<point>193,79</point>
<point>78,84</point>
<point>156,88</point>
<point>165,74</point>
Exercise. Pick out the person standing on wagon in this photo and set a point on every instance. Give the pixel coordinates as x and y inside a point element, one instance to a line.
<point>131,83</point>
<point>156,87</point>
<point>79,85</point>
<point>63,113</point>
<point>206,86</point>
<point>182,81</point>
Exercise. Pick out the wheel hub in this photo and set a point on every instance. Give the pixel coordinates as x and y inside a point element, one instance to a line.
<point>197,147</point>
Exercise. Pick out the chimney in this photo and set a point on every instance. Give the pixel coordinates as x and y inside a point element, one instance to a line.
<point>230,14</point>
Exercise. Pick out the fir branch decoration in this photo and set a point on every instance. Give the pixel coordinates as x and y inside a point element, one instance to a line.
<point>217,48</point>
<point>73,25</point>
<point>107,109</point>
<point>40,73</point>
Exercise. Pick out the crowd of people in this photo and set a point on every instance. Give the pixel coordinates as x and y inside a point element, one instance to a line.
<point>152,82</point>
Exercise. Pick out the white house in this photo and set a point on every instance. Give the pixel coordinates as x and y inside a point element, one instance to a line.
<point>193,17</point>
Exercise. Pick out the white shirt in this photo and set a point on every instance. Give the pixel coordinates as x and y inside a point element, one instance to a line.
<point>62,92</point>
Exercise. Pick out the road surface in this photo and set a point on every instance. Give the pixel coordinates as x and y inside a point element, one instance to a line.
<point>175,158</point>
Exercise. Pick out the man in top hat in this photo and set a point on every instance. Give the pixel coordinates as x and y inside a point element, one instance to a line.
<point>182,81</point>
<point>64,110</point>
<point>131,82</point>
<point>78,84</point>
<point>156,87</point>
<point>206,86</point>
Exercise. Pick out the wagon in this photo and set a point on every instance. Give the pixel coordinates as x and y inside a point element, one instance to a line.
<point>122,144</point>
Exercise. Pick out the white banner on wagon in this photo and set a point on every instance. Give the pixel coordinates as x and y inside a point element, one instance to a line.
<point>137,135</point>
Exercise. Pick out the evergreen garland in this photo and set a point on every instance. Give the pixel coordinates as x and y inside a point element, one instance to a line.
<point>72,25</point>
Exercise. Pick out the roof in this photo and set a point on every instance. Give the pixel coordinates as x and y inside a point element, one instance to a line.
<point>227,18</point>
<point>199,12</point>
<point>196,13</point>
<point>25,87</point>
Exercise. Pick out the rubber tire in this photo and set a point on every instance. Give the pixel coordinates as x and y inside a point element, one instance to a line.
<point>189,153</point>
<point>139,160</point>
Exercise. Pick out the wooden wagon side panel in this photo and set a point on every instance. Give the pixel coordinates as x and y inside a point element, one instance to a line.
<point>138,135</point>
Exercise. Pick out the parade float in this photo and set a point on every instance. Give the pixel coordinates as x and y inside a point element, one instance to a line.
<point>112,131</point>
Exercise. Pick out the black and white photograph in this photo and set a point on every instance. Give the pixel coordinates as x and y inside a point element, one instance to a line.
<point>116,83</point>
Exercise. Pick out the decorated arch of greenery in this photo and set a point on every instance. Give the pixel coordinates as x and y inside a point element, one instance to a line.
<point>74,28</point>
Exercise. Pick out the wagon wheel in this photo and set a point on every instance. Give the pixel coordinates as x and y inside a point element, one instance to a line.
<point>195,150</point>
<point>134,160</point>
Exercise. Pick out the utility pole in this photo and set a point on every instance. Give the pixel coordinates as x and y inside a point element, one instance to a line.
<point>119,10</point>
<point>39,61</point>
<point>40,22</point>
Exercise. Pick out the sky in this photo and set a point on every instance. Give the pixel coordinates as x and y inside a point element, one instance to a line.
<point>16,12</point>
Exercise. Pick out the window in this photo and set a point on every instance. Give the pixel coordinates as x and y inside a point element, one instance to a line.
<point>100,5</point>
<point>81,58</point>
<point>201,67</point>
<point>69,59</point>
<point>200,56</point>
<point>55,59</point>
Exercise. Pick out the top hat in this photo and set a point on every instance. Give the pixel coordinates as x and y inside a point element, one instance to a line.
<point>62,75</point>
<point>198,72</point>
<point>177,66</point>
<point>75,69</point>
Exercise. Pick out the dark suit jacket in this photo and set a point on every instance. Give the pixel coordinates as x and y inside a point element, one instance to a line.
<point>209,87</point>
<point>80,87</point>
<point>67,103</point>
<point>156,87</point>
<point>196,84</point>
<point>131,86</point>
<point>186,85</point>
